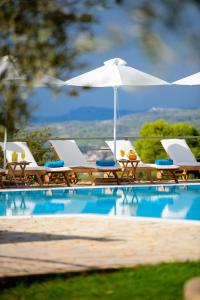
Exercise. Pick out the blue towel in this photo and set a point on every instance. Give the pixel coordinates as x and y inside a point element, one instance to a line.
<point>164,162</point>
<point>105,163</point>
<point>54,164</point>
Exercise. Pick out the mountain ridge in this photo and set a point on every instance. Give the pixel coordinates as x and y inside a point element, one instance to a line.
<point>90,113</point>
<point>127,125</point>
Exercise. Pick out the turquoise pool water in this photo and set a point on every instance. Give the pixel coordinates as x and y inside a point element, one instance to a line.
<point>166,202</point>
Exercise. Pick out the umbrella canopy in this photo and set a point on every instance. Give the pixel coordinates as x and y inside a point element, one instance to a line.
<point>115,73</point>
<point>189,80</point>
<point>49,81</point>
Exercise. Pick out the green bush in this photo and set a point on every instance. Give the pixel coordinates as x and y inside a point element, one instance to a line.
<point>151,149</point>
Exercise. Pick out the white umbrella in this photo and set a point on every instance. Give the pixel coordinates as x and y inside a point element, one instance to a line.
<point>49,81</point>
<point>115,73</point>
<point>189,80</point>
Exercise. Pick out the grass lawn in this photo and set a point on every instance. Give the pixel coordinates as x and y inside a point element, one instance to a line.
<point>163,281</point>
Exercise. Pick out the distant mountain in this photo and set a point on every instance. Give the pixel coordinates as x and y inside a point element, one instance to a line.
<point>81,114</point>
<point>127,125</point>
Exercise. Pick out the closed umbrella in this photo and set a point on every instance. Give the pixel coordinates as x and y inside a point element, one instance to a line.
<point>189,80</point>
<point>115,73</point>
<point>8,72</point>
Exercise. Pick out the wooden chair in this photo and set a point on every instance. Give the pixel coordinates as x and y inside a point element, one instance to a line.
<point>126,145</point>
<point>69,152</point>
<point>179,151</point>
<point>32,168</point>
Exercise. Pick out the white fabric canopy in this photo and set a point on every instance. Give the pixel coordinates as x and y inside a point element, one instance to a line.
<point>115,73</point>
<point>189,80</point>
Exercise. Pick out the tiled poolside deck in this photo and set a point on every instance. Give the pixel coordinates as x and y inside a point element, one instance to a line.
<point>63,244</point>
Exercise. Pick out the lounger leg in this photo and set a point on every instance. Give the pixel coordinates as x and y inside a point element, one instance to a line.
<point>91,177</point>
<point>65,174</point>
<point>173,173</point>
<point>74,178</point>
<point>39,180</point>
<point>149,176</point>
<point>185,175</point>
<point>1,182</point>
<point>116,177</point>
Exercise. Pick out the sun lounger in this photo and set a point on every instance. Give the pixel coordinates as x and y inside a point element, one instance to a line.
<point>179,151</point>
<point>32,168</point>
<point>69,152</point>
<point>126,145</point>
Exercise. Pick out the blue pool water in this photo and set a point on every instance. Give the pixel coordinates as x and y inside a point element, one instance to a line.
<point>166,202</point>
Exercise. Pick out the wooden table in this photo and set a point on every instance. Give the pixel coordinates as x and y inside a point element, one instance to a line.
<point>129,168</point>
<point>16,171</point>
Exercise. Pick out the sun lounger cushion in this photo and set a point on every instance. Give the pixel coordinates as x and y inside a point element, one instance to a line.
<point>164,162</point>
<point>54,164</point>
<point>105,163</point>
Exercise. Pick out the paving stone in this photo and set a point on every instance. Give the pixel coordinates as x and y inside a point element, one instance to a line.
<point>36,245</point>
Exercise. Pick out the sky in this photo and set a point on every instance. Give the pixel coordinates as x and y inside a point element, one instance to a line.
<point>117,40</point>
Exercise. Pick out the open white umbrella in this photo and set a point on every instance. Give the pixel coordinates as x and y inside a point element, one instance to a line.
<point>115,73</point>
<point>189,80</point>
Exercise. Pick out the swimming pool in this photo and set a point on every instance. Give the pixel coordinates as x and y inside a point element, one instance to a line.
<point>162,201</point>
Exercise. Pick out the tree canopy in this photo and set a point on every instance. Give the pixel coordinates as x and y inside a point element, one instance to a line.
<point>42,35</point>
<point>151,149</point>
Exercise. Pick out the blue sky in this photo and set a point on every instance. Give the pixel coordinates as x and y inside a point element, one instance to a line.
<point>179,62</point>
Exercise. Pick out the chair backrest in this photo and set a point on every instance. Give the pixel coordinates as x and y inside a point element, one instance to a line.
<point>69,151</point>
<point>19,148</point>
<point>126,145</point>
<point>179,151</point>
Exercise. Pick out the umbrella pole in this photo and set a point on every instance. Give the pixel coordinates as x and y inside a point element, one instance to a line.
<point>115,121</point>
<point>4,148</point>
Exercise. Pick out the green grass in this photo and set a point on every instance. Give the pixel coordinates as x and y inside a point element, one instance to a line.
<point>162,282</point>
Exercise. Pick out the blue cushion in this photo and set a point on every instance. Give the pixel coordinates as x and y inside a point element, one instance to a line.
<point>54,164</point>
<point>164,162</point>
<point>105,163</point>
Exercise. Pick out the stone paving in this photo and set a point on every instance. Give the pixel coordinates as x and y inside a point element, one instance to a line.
<point>36,245</point>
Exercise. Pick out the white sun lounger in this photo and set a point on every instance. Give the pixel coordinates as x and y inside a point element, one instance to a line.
<point>126,145</point>
<point>69,151</point>
<point>32,168</point>
<point>179,151</point>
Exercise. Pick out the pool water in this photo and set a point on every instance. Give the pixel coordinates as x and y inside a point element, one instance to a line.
<point>166,202</point>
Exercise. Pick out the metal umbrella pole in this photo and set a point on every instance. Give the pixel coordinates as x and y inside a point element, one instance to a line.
<point>4,148</point>
<point>115,121</point>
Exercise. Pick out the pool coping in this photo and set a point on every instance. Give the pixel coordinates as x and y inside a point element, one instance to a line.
<point>123,218</point>
<point>96,186</point>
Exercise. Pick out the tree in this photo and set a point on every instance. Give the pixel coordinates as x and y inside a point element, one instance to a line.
<point>37,141</point>
<point>150,149</point>
<point>41,36</point>
<point>151,19</point>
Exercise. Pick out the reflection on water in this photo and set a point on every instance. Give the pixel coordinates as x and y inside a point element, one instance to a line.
<point>172,202</point>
